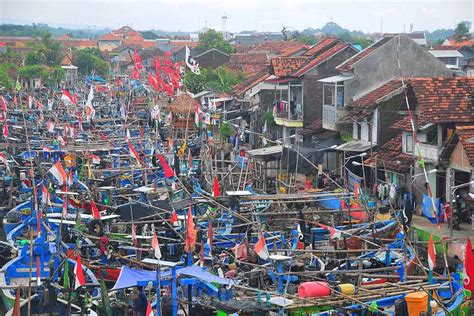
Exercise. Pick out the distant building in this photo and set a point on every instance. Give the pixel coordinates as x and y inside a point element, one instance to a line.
<point>450,57</point>
<point>212,58</point>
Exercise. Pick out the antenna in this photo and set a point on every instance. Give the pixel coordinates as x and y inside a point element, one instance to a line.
<point>224,22</point>
<point>411,27</point>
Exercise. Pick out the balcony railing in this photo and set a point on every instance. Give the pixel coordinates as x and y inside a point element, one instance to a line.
<point>429,152</point>
<point>329,117</point>
<point>284,118</point>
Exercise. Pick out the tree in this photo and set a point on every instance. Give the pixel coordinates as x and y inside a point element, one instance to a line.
<point>461,32</point>
<point>149,35</point>
<point>50,48</point>
<point>90,59</point>
<point>46,73</point>
<point>219,80</point>
<point>213,39</point>
<point>8,73</point>
<point>35,58</point>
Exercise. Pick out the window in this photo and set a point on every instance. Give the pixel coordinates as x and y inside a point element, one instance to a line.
<point>340,96</point>
<point>333,94</point>
<point>409,143</point>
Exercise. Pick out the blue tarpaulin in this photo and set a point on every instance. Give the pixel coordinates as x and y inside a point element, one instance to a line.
<point>203,275</point>
<point>131,277</point>
<point>427,208</point>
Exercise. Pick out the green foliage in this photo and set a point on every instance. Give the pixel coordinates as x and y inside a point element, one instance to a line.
<point>461,32</point>
<point>218,80</point>
<point>304,38</point>
<point>8,56</point>
<point>46,73</point>
<point>35,58</point>
<point>37,30</point>
<point>356,40</point>
<point>8,74</point>
<point>346,137</point>
<point>213,39</point>
<point>267,117</point>
<point>90,59</point>
<point>149,35</point>
<point>226,130</point>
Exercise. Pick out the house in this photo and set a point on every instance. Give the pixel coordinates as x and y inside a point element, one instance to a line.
<point>252,39</point>
<point>450,57</point>
<point>70,70</point>
<point>370,69</point>
<point>469,67</point>
<point>212,58</point>
<point>108,42</point>
<point>440,106</point>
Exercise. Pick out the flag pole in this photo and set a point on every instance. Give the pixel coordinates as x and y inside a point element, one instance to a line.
<point>158,290</point>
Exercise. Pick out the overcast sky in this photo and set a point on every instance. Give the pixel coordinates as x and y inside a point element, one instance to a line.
<point>261,15</point>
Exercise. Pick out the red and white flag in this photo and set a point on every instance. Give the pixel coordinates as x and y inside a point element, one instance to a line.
<point>133,152</point>
<point>95,210</point>
<point>190,233</point>
<point>90,111</point>
<point>431,254</point>
<point>58,172</point>
<point>50,126</point>
<point>66,97</point>
<point>45,195</point>
<point>261,247</point>
<point>137,60</point>
<point>61,140</point>
<point>79,273</point>
<point>333,232</point>
<point>95,159</point>
<point>156,246</point>
<point>166,168</point>
<point>149,310</point>
<point>174,217</point>
<point>197,114</point>
<point>468,271</point>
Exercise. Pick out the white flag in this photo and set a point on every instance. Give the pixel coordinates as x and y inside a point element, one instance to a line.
<point>191,63</point>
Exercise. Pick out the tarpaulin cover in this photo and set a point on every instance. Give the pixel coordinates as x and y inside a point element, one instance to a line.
<point>427,208</point>
<point>203,275</point>
<point>129,277</point>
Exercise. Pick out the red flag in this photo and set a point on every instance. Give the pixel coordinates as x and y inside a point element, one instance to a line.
<point>5,129</point>
<point>137,60</point>
<point>216,191</point>
<point>190,233</point>
<point>168,171</point>
<point>17,305</point>
<point>174,217</point>
<point>468,271</point>
<point>79,273</point>
<point>261,247</point>
<point>66,97</point>
<point>15,101</point>
<point>431,254</point>
<point>4,104</point>
<point>149,310</point>
<point>58,172</point>
<point>153,82</point>
<point>95,210</point>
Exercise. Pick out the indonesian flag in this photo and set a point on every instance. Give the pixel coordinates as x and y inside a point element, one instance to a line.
<point>58,172</point>
<point>66,97</point>
<point>134,234</point>
<point>90,112</point>
<point>5,129</point>
<point>168,171</point>
<point>174,217</point>
<point>156,246</point>
<point>3,159</point>
<point>4,104</point>
<point>61,140</point>
<point>333,232</point>
<point>197,114</point>
<point>431,254</point>
<point>95,160</point>
<point>45,195</point>
<point>79,120</point>
<point>133,152</point>
<point>50,126</point>
<point>39,105</point>
<point>79,273</point>
<point>1,116</point>
<point>95,210</point>
<point>70,178</point>
<point>216,191</point>
<point>261,247</point>
<point>468,271</point>
<point>30,102</point>
<point>190,233</point>
<point>153,82</point>
<point>149,310</point>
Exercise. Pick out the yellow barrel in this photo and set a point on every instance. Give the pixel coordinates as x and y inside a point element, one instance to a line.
<point>346,288</point>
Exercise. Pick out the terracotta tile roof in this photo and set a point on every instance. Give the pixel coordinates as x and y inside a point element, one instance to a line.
<point>371,99</point>
<point>321,45</point>
<point>390,157</point>
<point>320,58</point>
<point>248,63</point>
<point>80,43</point>
<point>109,37</point>
<point>466,136</point>
<point>467,42</point>
<point>315,128</point>
<point>127,31</point>
<point>183,43</point>
<point>404,124</point>
<point>149,44</point>
<point>287,48</point>
<point>249,83</point>
<point>348,64</point>
<point>443,100</point>
<point>283,66</point>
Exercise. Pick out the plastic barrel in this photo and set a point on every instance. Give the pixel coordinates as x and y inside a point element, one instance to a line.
<point>417,302</point>
<point>314,289</point>
<point>346,288</point>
